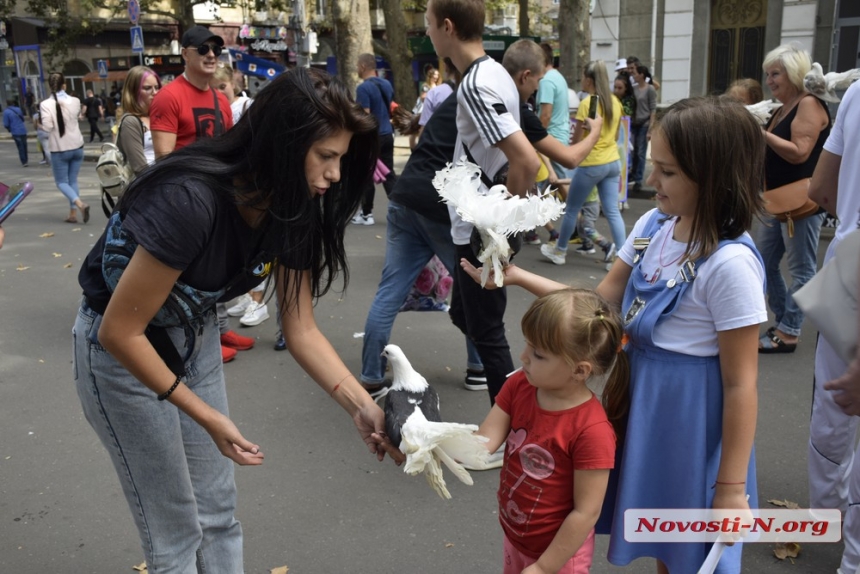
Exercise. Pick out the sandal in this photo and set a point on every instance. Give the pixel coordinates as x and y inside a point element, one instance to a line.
<point>70,220</point>
<point>771,343</point>
<point>85,211</point>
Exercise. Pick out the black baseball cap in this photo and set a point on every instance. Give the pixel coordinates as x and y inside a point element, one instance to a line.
<point>199,35</point>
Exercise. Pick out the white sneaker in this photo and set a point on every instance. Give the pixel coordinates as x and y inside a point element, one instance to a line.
<point>362,219</point>
<point>609,253</point>
<point>555,255</point>
<point>256,314</point>
<point>242,304</point>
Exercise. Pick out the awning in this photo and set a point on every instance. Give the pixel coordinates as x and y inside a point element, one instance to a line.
<point>115,76</point>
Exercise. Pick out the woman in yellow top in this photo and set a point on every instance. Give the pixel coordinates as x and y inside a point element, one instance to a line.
<point>601,168</point>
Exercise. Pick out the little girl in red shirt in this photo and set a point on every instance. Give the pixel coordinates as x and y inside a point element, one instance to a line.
<point>560,443</point>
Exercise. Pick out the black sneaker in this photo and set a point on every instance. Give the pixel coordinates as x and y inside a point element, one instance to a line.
<point>280,344</point>
<point>475,380</point>
<point>585,249</point>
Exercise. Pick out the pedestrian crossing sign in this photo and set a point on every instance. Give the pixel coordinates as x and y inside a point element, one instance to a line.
<point>137,39</point>
<point>103,69</point>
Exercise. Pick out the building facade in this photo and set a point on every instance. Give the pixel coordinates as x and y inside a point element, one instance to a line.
<point>698,47</point>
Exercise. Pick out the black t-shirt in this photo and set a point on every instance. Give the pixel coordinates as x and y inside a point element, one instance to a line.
<point>92,105</point>
<point>187,226</point>
<point>531,125</point>
<point>414,188</point>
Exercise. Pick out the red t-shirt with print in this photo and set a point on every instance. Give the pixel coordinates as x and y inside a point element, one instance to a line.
<point>543,449</point>
<point>183,109</point>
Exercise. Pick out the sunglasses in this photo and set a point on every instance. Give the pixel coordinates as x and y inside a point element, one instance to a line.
<point>204,49</point>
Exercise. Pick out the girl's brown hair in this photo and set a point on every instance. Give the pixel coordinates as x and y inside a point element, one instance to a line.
<point>579,325</point>
<point>720,147</point>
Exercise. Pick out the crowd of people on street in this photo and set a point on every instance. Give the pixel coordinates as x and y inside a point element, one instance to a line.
<point>235,201</point>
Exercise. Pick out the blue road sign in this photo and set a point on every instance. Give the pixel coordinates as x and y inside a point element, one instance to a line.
<point>133,11</point>
<point>136,39</point>
<point>103,68</point>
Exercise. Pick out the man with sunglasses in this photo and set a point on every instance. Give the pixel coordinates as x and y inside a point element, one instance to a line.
<point>187,108</point>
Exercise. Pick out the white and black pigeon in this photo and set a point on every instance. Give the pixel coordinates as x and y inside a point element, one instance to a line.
<point>824,85</point>
<point>414,425</point>
<point>763,110</point>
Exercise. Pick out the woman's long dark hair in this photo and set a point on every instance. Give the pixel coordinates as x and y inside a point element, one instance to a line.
<point>56,81</point>
<point>266,150</point>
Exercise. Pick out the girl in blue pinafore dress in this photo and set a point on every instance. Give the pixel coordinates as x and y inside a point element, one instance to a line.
<point>690,285</point>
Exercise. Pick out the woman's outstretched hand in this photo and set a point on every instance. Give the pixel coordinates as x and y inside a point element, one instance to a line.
<point>232,444</point>
<point>370,422</point>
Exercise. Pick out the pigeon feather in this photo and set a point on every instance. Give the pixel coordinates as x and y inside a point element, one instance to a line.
<point>496,214</point>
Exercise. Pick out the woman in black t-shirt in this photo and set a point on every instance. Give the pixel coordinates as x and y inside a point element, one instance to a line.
<point>271,196</point>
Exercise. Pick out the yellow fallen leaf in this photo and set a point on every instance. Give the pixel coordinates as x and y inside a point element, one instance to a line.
<point>140,567</point>
<point>784,503</point>
<point>786,550</point>
<point>449,545</point>
<point>41,360</point>
<point>67,266</point>
<point>21,268</point>
<point>279,570</point>
<point>448,369</point>
<point>49,234</point>
<point>55,254</point>
<point>379,237</point>
<point>76,229</point>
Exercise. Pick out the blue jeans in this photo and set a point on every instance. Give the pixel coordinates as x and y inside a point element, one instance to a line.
<point>583,179</point>
<point>66,165</point>
<point>802,251</point>
<point>178,486</point>
<point>411,241</point>
<point>21,142</point>
<point>639,135</point>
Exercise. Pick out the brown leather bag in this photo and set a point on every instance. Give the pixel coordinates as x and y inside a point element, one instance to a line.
<point>790,203</point>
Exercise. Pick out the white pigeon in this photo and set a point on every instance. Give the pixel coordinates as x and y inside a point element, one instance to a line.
<point>496,215</point>
<point>413,423</point>
<point>763,110</point>
<point>824,85</point>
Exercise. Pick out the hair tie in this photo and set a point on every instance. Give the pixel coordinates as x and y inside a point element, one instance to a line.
<point>624,340</point>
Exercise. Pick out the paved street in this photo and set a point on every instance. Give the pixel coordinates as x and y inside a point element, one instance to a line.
<point>320,503</point>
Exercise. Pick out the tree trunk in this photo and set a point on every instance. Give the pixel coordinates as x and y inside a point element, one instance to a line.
<point>524,17</point>
<point>185,14</point>
<point>351,20</point>
<point>574,38</point>
<point>398,54</point>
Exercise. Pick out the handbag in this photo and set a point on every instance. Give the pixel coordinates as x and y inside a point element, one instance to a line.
<point>829,299</point>
<point>790,202</point>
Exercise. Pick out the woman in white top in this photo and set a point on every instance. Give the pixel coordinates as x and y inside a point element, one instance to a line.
<point>134,138</point>
<point>59,117</point>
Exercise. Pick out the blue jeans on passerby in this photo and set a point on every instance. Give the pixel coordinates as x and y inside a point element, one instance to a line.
<point>411,241</point>
<point>66,165</point>
<point>583,179</point>
<point>802,253</point>
<point>21,143</point>
<point>639,135</point>
<point>179,487</point>
<point>43,138</point>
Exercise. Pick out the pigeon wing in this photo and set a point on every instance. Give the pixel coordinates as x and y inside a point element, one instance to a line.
<point>398,408</point>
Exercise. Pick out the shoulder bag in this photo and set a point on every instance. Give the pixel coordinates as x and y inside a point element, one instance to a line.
<point>829,299</point>
<point>790,203</point>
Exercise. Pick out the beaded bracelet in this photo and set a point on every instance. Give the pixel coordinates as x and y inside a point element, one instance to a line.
<point>167,393</point>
